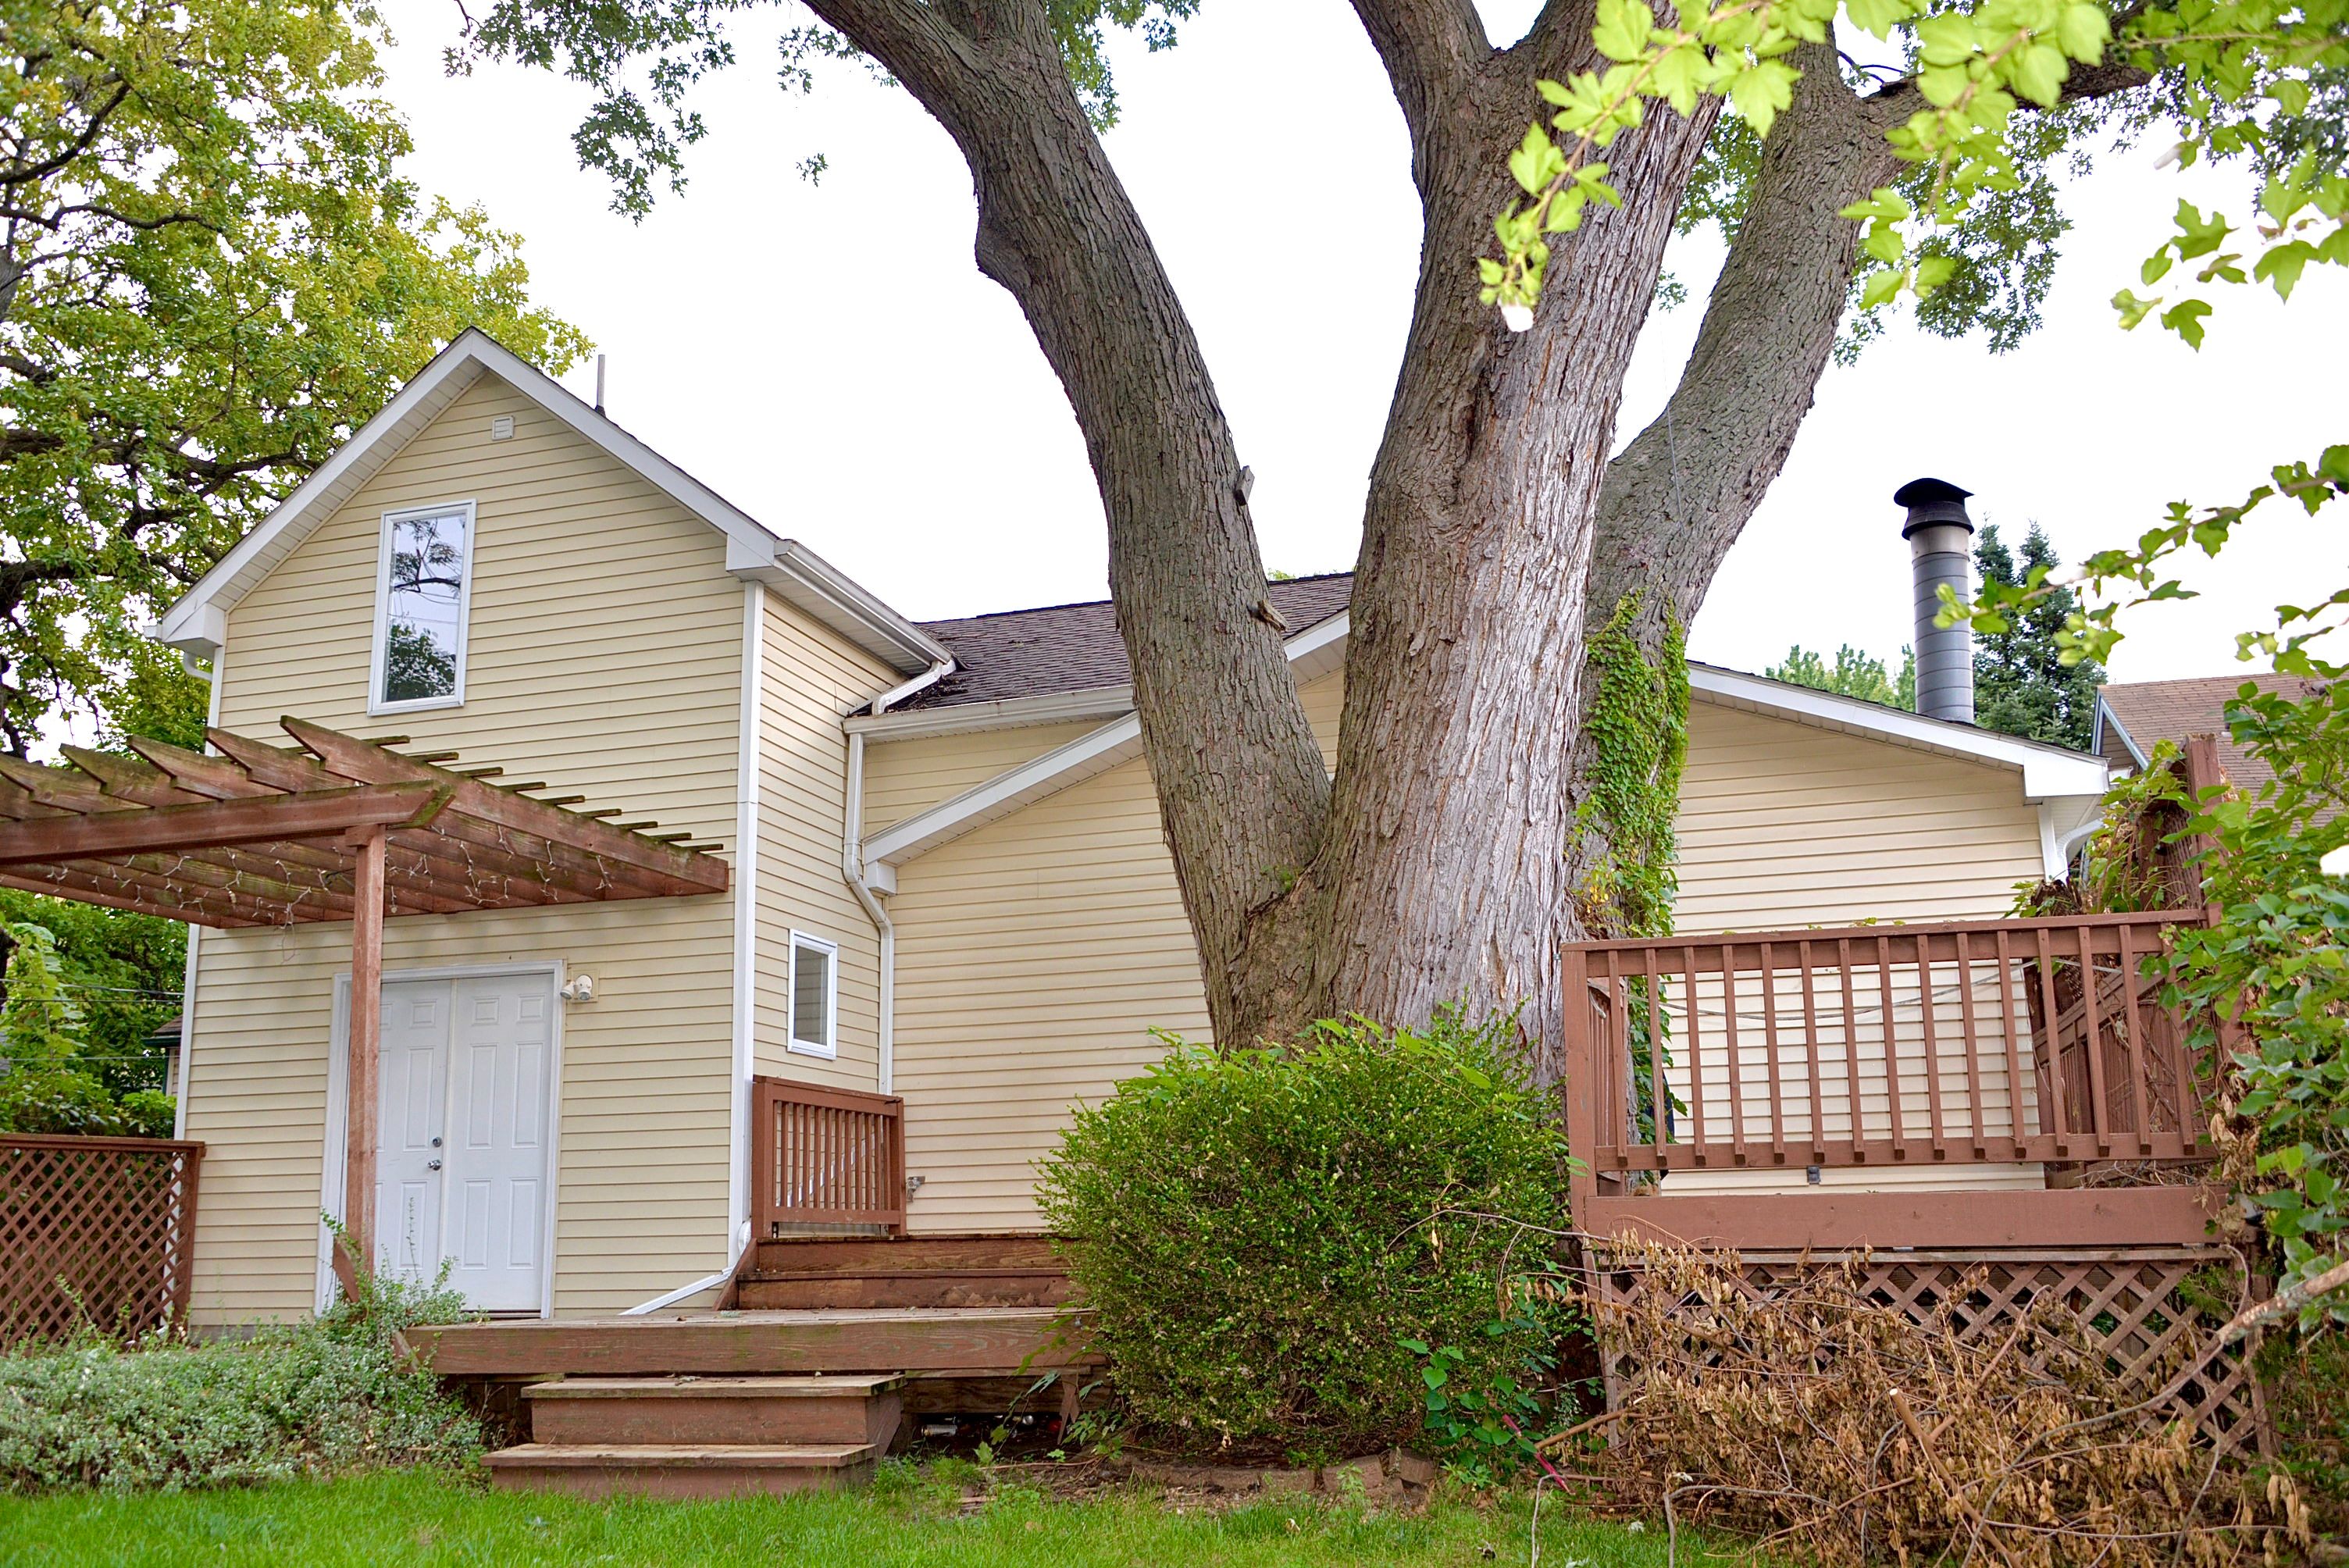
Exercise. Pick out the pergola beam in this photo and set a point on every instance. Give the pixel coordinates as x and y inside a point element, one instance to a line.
<point>218,823</point>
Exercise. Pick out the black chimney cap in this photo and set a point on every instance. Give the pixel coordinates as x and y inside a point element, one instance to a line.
<point>1931,500</point>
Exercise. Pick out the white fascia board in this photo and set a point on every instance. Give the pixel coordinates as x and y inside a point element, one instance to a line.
<point>2108,719</point>
<point>1315,651</point>
<point>2049,772</point>
<point>810,584</point>
<point>1094,753</point>
<point>197,622</point>
<point>1005,713</point>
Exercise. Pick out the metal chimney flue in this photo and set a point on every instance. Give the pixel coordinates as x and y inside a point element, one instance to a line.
<point>1940,550</point>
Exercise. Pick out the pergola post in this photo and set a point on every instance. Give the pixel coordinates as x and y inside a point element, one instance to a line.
<point>366,1041</point>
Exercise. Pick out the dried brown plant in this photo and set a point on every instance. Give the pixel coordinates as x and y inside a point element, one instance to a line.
<point>1849,1431</point>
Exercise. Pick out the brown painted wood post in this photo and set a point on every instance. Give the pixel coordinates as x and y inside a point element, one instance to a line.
<point>366,1043</point>
<point>1579,1056</point>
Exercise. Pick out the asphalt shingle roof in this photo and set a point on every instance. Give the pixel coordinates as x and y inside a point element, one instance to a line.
<point>1075,648</point>
<point>2172,710</point>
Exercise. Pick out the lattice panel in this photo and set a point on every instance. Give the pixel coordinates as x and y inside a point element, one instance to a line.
<point>96,1231</point>
<point>2133,1305</point>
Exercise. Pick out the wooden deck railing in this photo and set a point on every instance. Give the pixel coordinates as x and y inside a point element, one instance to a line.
<point>1885,1047</point>
<point>825,1157</point>
<point>94,1231</point>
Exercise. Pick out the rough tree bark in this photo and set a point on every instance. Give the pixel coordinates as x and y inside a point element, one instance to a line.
<point>1443,862</point>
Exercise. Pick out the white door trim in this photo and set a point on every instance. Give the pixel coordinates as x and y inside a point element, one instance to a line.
<point>330,1182</point>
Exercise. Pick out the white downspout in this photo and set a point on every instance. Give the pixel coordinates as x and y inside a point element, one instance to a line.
<point>852,867</point>
<point>188,976</point>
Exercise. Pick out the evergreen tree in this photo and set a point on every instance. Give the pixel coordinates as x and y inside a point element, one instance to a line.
<point>1853,673</point>
<point>2022,686</point>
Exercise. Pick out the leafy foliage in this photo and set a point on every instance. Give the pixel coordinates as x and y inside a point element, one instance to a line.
<point>1485,1421</point>
<point>324,1398</point>
<point>2237,76</point>
<point>1255,1231</point>
<point>122,970</point>
<point>639,127</point>
<point>2022,683</point>
<point>211,272</point>
<point>1637,724</point>
<point>1853,673</point>
<point>2274,971</point>
<point>49,1085</point>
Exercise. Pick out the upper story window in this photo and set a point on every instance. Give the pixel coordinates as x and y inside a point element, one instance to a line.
<point>424,583</point>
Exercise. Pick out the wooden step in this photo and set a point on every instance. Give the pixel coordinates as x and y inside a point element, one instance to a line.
<point>706,1469</point>
<point>723,1410</point>
<point>872,1255</point>
<point>816,1288</point>
<point>979,1340</point>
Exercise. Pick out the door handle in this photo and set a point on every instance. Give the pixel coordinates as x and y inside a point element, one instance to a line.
<point>433,1165</point>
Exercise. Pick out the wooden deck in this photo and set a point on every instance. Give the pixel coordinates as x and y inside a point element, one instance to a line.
<point>971,1342</point>
<point>1992,1084</point>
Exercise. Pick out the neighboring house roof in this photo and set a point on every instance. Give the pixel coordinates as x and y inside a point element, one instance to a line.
<point>1063,648</point>
<point>2131,717</point>
<point>198,623</point>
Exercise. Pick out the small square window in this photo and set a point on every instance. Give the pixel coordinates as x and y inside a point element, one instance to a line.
<point>815,995</point>
<point>423,593</point>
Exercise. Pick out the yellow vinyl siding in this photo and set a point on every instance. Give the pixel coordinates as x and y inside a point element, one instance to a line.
<point>1784,825</point>
<point>811,677</point>
<point>903,777</point>
<point>604,657</point>
<point>1035,955</point>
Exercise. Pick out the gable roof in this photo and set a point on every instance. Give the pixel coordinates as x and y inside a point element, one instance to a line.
<point>1010,658</point>
<point>1061,648</point>
<point>2131,717</point>
<point>198,623</point>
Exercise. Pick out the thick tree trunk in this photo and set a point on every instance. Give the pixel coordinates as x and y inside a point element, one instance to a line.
<point>1451,862</point>
<point>1444,865</point>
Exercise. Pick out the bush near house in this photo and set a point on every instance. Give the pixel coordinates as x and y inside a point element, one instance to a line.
<point>317,1398</point>
<point>1255,1231</point>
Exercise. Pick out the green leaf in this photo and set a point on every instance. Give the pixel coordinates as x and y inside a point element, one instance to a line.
<point>2184,319</point>
<point>2281,266</point>
<point>1760,91</point>
<point>2038,71</point>
<point>2084,31</point>
<point>1882,288</point>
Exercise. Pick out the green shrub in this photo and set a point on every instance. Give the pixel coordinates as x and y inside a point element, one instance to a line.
<point>1255,1231</point>
<point>316,1399</point>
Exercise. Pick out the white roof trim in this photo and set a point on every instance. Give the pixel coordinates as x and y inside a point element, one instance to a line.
<point>2106,719</point>
<point>2050,773</point>
<point>1312,653</point>
<point>1004,713</point>
<point>198,623</point>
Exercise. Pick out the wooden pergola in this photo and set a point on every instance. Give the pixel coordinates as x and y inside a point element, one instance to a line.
<point>338,829</point>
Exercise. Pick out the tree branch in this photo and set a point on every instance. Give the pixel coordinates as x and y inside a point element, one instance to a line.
<point>1677,498</point>
<point>81,144</point>
<point>1431,50</point>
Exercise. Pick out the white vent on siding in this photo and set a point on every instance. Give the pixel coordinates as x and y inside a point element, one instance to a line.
<point>502,428</point>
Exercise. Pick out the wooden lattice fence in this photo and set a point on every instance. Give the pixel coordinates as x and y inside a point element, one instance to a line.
<point>94,1230</point>
<point>2152,1310</point>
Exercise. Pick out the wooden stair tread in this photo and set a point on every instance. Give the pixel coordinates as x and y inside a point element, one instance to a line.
<point>683,1456</point>
<point>988,1271</point>
<point>844,1387</point>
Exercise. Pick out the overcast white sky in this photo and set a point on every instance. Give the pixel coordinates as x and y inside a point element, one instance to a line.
<point>828,357</point>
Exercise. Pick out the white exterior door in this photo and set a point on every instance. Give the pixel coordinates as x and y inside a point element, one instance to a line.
<point>462,1161</point>
<point>497,1139</point>
<point>409,1154</point>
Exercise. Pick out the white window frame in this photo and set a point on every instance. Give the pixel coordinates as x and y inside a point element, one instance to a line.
<point>374,699</point>
<point>830,1049</point>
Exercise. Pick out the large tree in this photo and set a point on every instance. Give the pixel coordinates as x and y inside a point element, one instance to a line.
<point>2021,683</point>
<point>212,271</point>
<point>1512,687</point>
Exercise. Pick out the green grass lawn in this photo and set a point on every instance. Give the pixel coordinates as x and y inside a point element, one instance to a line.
<point>909,1517</point>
